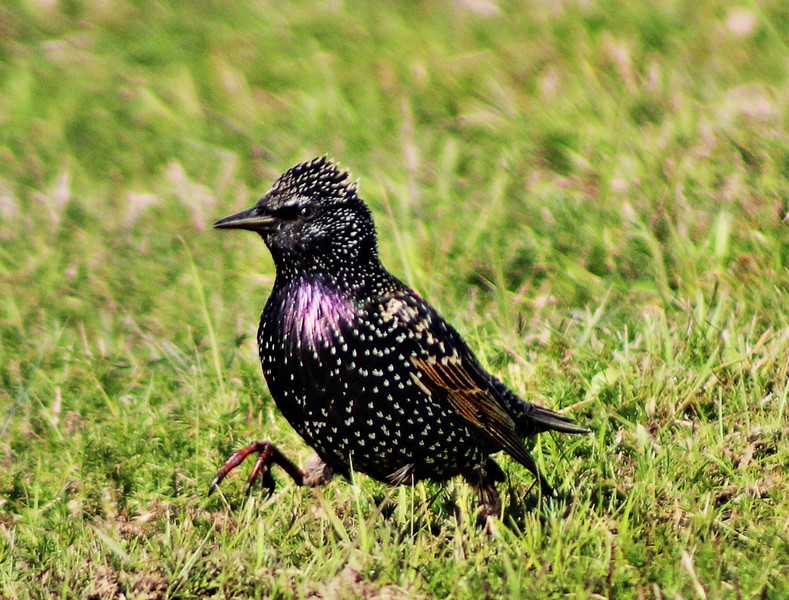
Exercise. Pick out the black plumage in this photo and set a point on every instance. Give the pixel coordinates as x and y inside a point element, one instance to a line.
<point>366,371</point>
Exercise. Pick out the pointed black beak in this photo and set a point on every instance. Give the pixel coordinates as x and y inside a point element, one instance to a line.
<point>253,219</point>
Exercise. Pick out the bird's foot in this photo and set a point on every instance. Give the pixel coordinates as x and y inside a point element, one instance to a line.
<point>491,526</point>
<point>483,479</point>
<point>268,454</point>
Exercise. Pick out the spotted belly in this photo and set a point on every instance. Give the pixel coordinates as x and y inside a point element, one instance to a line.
<point>390,441</point>
<point>354,424</point>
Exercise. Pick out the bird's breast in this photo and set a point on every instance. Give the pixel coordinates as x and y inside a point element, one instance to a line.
<point>309,319</point>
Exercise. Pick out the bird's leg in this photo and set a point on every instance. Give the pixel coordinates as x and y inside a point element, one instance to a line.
<point>262,469</point>
<point>316,473</point>
<point>482,479</point>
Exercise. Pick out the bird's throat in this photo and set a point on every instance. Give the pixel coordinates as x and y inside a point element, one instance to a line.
<point>312,316</point>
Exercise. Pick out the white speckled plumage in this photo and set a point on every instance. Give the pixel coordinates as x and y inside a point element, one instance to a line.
<point>368,373</point>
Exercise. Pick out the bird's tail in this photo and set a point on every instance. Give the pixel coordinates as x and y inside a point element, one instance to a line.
<point>531,419</point>
<point>535,419</point>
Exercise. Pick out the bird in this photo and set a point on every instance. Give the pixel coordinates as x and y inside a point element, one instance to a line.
<point>366,371</point>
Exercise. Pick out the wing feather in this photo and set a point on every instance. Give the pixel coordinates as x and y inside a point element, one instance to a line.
<point>468,393</point>
<point>444,367</point>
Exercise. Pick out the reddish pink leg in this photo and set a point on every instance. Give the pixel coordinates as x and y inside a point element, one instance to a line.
<point>267,455</point>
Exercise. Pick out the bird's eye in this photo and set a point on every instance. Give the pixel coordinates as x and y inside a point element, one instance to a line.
<point>305,212</point>
<point>292,212</point>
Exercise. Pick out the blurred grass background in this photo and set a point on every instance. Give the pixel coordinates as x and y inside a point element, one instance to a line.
<point>594,193</point>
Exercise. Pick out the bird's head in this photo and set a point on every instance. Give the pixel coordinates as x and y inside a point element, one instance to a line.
<point>310,215</point>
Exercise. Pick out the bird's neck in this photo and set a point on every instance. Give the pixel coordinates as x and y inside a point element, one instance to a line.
<point>364,276</point>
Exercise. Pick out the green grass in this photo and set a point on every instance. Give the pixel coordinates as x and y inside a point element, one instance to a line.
<point>595,195</point>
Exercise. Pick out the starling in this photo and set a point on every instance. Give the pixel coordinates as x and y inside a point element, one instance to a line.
<point>365,370</point>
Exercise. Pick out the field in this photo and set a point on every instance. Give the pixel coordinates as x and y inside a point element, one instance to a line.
<point>596,195</point>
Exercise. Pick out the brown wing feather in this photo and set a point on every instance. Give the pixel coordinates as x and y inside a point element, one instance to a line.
<point>472,399</point>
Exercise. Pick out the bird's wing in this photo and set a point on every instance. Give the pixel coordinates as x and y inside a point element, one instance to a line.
<point>444,367</point>
<point>468,391</point>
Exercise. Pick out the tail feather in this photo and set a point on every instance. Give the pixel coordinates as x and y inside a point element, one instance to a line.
<point>540,419</point>
<point>531,419</point>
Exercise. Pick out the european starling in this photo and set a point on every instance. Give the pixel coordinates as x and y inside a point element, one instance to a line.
<point>366,371</point>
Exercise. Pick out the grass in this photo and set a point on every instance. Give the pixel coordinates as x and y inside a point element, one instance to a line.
<point>595,194</point>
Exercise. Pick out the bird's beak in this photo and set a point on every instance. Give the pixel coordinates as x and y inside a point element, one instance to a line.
<point>253,219</point>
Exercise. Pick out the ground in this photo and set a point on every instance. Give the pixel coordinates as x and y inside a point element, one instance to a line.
<point>594,193</point>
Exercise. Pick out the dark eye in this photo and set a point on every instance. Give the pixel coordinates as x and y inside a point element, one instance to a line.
<point>293,212</point>
<point>307,211</point>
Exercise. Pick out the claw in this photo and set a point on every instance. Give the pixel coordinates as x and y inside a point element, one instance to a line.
<point>267,455</point>
<point>261,470</point>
